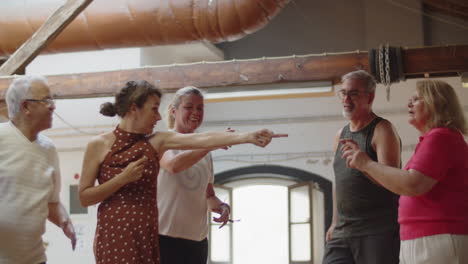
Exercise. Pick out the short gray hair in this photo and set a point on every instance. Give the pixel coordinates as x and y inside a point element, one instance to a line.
<point>20,90</point>
<point>363,76</point>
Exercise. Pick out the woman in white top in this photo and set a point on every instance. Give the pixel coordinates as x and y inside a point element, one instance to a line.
<point>185,188</point>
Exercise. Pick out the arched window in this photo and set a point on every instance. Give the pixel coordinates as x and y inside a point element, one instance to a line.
<point>283,214</point>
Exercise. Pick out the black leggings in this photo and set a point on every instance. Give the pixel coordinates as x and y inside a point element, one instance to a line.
<point>182,251</point>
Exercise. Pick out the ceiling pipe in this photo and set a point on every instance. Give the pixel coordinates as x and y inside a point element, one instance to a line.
<point>107,24</point>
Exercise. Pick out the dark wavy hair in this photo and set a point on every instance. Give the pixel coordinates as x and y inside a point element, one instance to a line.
<point>134,92</point>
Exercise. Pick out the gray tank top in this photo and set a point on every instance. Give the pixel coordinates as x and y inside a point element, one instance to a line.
<point>364,208</point>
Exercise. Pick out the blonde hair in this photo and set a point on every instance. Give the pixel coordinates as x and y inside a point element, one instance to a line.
<point>177,99</point>
<point>442,104</point>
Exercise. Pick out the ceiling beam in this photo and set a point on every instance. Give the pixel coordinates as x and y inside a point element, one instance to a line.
<point>418,62</point>
<point>435,61</point>
<point>51,28</point>
<point>452,8</point>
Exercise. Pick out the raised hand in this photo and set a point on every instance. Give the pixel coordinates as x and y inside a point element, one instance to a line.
<point>134,170</point>
<point>355,157</point>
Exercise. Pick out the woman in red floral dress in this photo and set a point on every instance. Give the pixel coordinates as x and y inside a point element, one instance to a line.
<point>126,163</point>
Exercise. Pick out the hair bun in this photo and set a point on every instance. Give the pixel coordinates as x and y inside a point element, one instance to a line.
<point>108,109</point>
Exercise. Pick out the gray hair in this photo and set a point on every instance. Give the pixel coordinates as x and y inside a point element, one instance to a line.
<point>177,99</point>
<point>363,76</point>
<point>20,90</point>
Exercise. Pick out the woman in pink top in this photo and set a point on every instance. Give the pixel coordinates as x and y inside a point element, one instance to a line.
<point>433,211</point>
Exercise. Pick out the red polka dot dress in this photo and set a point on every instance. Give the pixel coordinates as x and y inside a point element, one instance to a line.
<point>127,226</point>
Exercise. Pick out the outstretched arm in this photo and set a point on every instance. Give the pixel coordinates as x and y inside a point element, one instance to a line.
<point>59,216</point>
<point>163,141</point>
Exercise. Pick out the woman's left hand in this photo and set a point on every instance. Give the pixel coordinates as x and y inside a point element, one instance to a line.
<point>355,157</point>
<point>223,211</point>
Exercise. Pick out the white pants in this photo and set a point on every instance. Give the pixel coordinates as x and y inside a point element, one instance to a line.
<point>437,249</point>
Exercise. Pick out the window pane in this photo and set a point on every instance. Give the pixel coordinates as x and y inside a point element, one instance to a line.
<point>220,243</point>
<point>300,206</point>
<point>300,242</point>
<point>223,195</point>
<point>261,235</point>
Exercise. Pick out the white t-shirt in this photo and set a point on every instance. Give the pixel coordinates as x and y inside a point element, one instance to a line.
<point>29,180</point>
<point>182,203</point>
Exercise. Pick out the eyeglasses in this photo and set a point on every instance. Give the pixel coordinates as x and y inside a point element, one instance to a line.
<point>46,101</point>
<point>353,94</point>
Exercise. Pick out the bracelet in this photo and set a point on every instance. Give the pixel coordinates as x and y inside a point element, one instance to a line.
<point>227,205</point>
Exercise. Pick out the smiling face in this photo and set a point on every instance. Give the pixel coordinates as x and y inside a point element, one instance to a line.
<point>40,112</point>
<point>148,115</point>
<point>355,99</point>
<point>417,113</point>
<point>188,114</point>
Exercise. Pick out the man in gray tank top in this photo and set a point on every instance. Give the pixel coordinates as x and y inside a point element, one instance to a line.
<point>364,228</point>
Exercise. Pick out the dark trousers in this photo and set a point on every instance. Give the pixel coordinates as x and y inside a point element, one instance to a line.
<point>182,251</point>
<point>373,249</point>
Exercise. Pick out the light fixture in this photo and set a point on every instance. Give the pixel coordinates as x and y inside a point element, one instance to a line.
<point>269,91</point>
<point>464,79</point>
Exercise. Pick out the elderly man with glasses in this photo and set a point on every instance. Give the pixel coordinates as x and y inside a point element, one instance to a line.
<point>29,174</point>
<point>364,228</point>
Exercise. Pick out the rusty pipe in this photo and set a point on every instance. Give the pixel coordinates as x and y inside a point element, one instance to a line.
<point>106,24</point>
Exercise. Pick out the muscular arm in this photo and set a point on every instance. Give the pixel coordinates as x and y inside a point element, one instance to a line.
<point>386,143</point>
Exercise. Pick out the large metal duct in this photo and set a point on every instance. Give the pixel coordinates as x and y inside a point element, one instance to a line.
<point>132,23</point>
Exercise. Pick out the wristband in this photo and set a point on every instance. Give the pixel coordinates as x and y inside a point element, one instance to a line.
<point>227,205</point>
